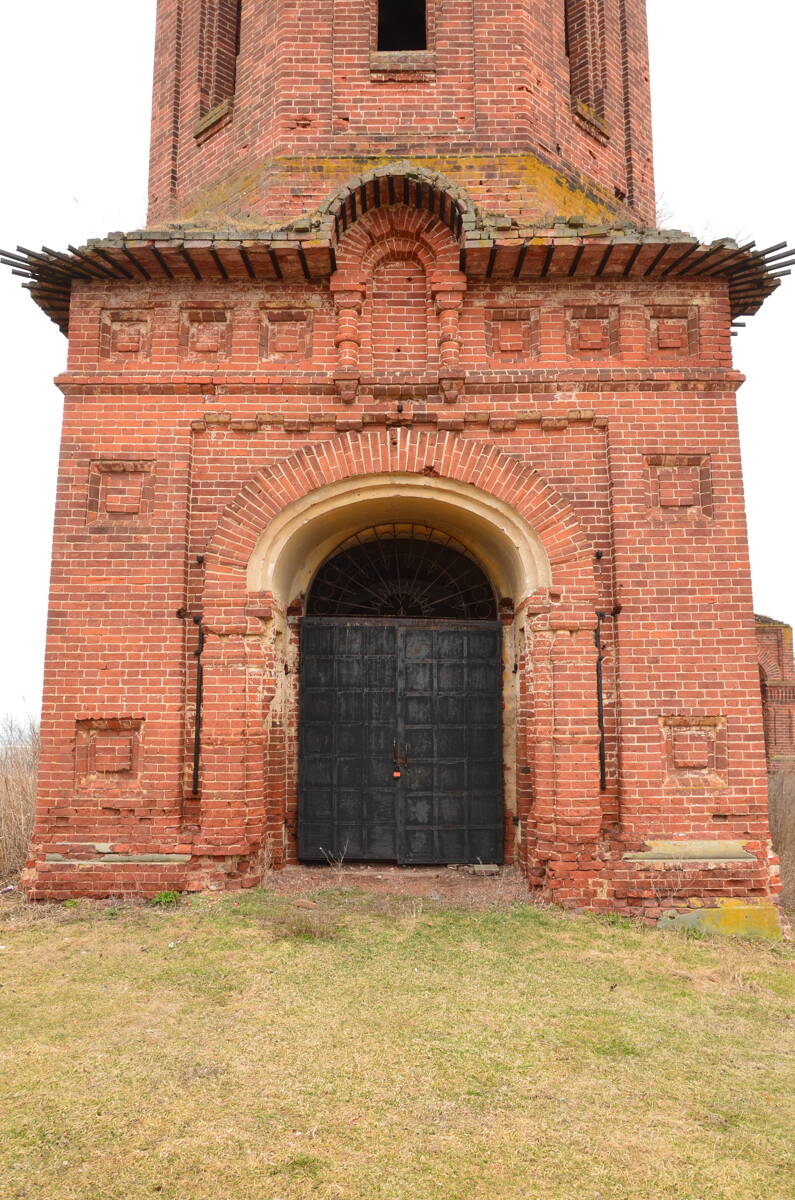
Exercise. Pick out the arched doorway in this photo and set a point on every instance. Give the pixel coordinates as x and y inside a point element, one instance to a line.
<point>400,749</point>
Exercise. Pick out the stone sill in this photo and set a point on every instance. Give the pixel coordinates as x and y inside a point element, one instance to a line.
<point>400,64</point>
<point>589,120</point>
<point>695,851</point>
<point>211,121</point>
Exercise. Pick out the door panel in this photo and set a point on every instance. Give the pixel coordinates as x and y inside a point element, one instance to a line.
<point>400,741</point>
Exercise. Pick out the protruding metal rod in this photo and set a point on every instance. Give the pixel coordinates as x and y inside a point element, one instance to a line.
<point>73,266</point>
<point>575,262</point>
<point>699,262</point>
<point>31,257</point>
<point>142,271</point>
<point>185,253</point>
<point>8,257</point>
<point>214,255</point>
<point>247,262</point>
<point>50,289</point>
<point>112,262</point>
<point>277,269</point>
<point>604,260</point>
<point>91,262</point>
<point>657,259</point>
<point>762,268</point>
<point>738,253</point>
<point>166,268</point>
<point>632,260</point>
<point>691,250</point>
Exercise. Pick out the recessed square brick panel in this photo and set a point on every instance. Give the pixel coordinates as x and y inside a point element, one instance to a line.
<point>679,486</point>
<point>107,753</point>
<point>695,752</point>
<point>205,332</point>
<point>119,490</point>
<point>112,753</point>
<point>285,334</point>
<point>508,337</point>
<point>592,331</point>
<point>512,334</point>
<point>125,335</point>
<point>673,331</point>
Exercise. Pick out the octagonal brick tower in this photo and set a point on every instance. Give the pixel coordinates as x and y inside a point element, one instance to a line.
<point>400,508</point>
<point>261,110</point>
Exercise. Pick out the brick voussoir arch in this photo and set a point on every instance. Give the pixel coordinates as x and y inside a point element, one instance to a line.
<point>352,455</point>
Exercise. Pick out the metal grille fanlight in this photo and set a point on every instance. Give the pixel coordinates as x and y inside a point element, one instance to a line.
<point>402,570</point>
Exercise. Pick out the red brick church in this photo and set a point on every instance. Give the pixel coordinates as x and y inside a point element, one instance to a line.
<point>400,511</point>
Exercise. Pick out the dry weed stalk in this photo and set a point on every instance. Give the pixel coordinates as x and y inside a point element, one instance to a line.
<point>19,757</point>
<point>782,832</point>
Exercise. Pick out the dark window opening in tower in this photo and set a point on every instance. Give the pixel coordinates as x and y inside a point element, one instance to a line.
<point>584,45</point>
<point>220,49</point>
<point>402,25</point>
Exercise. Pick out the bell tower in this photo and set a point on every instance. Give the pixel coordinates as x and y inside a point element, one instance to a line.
<point>537,109</point>
<point>400,502</point>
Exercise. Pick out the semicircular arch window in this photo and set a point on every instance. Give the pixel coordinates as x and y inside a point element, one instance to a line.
<point>402,570</point>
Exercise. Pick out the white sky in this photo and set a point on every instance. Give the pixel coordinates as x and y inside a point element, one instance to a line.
<point>76,84</point>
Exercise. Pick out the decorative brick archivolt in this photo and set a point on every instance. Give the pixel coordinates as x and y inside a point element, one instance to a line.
<point>423,454</point>
<point>271,538</point>
<point>301,537</point>
<point>399,183</point>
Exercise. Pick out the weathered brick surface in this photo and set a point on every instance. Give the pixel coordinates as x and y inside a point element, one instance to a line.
<point>489,104</point>
<point>777,675</point>
<point>598,413</point>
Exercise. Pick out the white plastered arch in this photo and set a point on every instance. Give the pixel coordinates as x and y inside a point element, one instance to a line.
<point>300,538</point>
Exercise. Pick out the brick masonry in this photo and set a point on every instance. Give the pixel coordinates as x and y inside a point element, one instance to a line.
<point>598,413</point>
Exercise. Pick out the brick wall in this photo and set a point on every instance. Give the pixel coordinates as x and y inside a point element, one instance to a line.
<point>603,412</point>
<point>574,425</point>
<point>777,676</point>
<point>314,102</point>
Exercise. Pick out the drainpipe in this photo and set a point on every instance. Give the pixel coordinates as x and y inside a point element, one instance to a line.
<point>197,720</point>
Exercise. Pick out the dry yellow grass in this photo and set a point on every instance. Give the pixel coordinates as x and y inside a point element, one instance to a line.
<point>782,831</point>
<point>400,1049</point>
<point>19,756</point>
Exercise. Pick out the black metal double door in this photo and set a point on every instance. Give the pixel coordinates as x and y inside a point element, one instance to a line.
<point>400,746</point>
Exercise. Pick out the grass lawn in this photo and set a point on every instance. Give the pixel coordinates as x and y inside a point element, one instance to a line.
<point>379,1048</point>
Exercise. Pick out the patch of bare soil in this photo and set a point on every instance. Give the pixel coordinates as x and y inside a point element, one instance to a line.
<point>460,887</point>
